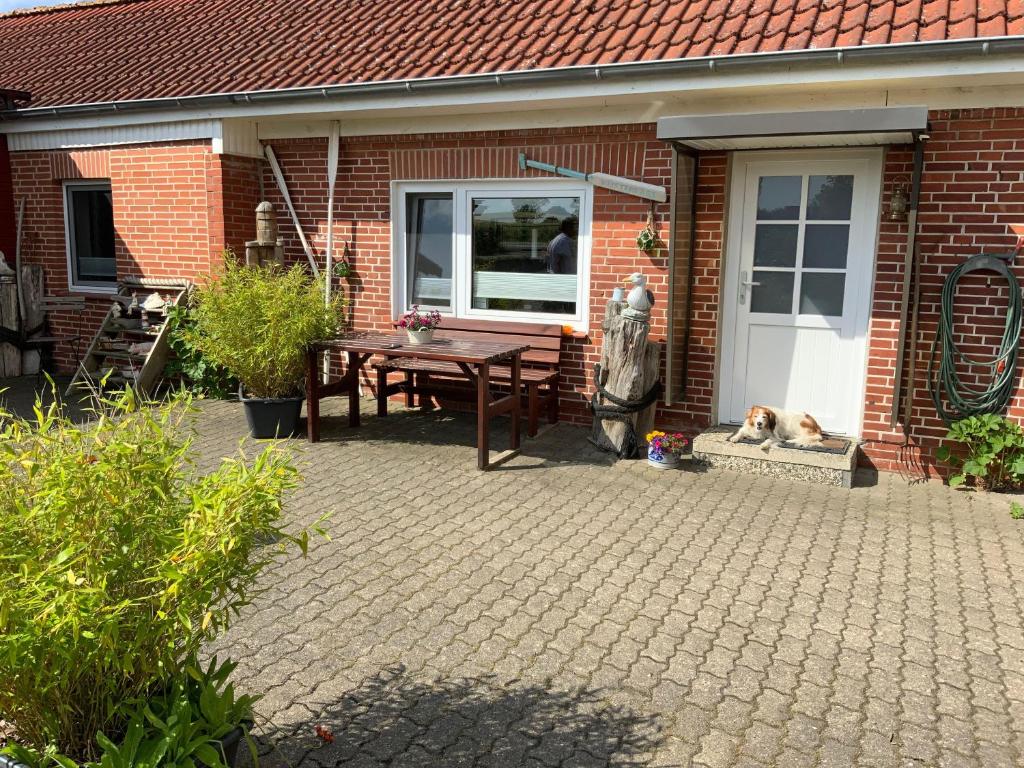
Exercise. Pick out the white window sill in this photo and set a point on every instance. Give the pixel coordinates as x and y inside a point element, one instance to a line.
<point>93,290</point>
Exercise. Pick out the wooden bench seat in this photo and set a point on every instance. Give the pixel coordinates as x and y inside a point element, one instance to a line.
<point>538,375</point>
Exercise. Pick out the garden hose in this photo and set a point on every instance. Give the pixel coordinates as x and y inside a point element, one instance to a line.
<point>945,384</point>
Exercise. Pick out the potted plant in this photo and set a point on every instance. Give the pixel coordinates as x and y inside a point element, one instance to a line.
<point>124,561</point>
<point>257,324</point>
<point>420,326</point>
<point>663,449</point>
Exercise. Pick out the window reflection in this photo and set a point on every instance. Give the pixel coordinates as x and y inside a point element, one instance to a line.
<point>525,253</point>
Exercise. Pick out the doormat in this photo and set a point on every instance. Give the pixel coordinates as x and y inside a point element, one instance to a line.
<point>834,445</point>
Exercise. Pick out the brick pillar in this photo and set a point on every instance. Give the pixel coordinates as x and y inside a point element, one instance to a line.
<point>7,234</point>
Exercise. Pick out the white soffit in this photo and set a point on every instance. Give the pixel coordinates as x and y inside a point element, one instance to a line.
<point>114,135</point>
<point>777,130</point>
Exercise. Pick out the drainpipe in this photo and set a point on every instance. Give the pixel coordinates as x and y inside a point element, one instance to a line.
<point>908,270</point>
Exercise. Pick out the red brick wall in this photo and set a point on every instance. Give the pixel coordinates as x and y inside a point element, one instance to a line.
<point>168,213</point>
<point>7,214</point>
<point>178,205</point>
<point>240,193</point>
<point>362,216</point>
<point>972,190</point>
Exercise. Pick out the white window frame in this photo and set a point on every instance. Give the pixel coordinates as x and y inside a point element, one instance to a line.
<point>94,185</point>
<point>463,191</point>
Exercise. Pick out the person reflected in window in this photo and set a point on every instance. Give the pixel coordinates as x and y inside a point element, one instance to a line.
<point>562,248</point>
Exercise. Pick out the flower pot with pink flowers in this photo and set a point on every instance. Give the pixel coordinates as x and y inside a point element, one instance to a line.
<point>420,326</point>
<point>663,449</point>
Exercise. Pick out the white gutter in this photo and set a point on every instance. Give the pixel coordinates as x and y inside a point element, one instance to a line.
<point>625,72</point>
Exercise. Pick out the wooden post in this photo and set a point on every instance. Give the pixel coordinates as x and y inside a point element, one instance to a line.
<point>268,247</point>
<point>629,368</point>
<point>10,355</point>
<point>33,317</point>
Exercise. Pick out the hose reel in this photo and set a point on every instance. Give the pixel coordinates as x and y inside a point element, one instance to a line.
<point>947,385</point>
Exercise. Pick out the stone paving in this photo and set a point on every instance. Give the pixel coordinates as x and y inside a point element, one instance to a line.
<point>567,611</point>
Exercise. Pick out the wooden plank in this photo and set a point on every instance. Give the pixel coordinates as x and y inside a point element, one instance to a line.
<point>10,355</point>
<point>498,372</point>
<point>534,342</point>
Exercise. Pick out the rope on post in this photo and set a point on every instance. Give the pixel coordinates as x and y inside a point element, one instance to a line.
<point>621,410</point>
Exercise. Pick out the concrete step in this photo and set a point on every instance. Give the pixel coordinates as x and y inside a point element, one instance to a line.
<point>713,449</point>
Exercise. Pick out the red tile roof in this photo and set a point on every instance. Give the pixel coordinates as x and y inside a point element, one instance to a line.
<point>136,49</point>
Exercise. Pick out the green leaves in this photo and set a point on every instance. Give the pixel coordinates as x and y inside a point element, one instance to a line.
<point>199,375</point>
<point>257,323</point>
<point>119,560</point>
<point>989,451</point>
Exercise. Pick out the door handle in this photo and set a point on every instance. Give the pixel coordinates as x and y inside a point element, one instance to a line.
<point>744,285</point>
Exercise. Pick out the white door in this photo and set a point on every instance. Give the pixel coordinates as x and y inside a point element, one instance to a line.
<point>801,245</point>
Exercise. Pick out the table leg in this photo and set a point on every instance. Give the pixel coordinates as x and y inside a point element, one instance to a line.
<point>516,402</point>
<point>312,397</point>
<point>483,416</point>
<point>354,363</point>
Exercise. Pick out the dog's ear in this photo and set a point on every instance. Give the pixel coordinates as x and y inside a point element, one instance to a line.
<point>750,414</point>
<point>772,421</point>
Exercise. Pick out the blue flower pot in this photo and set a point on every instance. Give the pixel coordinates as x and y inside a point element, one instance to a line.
<point>660,460</point>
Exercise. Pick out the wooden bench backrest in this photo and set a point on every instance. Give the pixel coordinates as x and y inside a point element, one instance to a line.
<point>545,340</point>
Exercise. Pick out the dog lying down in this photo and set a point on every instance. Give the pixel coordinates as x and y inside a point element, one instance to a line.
<point>775,427</point>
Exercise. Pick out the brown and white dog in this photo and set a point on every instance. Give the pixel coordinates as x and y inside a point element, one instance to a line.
<point>775,427</point>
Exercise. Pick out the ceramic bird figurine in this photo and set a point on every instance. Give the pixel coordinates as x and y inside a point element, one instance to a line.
<point>639,298</point>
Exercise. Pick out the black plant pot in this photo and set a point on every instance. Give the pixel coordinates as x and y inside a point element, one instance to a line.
<point>229,745</point>
<point>272,417</point>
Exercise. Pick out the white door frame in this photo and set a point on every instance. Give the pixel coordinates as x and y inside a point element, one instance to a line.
<point>861,278</point>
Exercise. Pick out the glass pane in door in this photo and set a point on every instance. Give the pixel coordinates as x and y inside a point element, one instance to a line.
<point>826,245</point>
<point>821,293</point>
<point>778,197</point>
<point>829,197</point>
<point>773,292</point>
<point>775,245</point>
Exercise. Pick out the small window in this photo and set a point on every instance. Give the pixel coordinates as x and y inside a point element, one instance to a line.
<point>89,222</point>
<point>498,250</point>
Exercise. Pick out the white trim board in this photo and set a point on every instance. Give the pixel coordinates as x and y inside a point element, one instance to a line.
<point>226,137</point>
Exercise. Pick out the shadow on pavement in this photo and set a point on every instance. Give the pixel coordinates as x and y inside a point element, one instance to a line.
<point>396,720</point>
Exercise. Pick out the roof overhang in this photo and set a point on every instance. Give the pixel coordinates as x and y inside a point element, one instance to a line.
<point>778,130</point>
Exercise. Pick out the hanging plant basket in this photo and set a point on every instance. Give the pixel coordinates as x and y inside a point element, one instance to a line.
<point>647,240</point>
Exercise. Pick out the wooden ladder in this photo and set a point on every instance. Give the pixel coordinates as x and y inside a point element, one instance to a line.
<point>114,358</point>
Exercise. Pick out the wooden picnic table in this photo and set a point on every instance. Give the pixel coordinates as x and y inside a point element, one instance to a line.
<point>473,357</point>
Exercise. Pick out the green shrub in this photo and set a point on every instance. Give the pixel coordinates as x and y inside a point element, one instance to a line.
<point>197,374</point>
<point>181,726</point>
<point>119,559</point>
<point>257,322</point>
<point>990,452</point>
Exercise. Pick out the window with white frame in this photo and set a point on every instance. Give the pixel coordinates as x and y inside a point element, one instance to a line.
<point>494,250</point>
<point>89,227</point>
